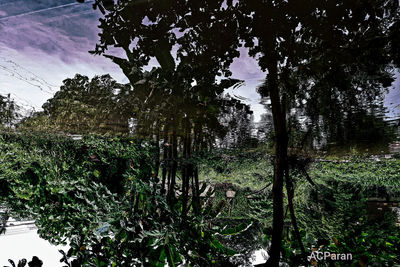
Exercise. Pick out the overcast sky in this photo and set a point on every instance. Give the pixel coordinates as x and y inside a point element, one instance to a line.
<point>43,42</point>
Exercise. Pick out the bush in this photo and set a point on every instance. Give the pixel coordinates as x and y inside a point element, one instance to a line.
<point>333,215</point>
<point>100,196</point>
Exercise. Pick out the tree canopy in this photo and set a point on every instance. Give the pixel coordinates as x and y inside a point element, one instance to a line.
<point>328,57</point>
<point>84,106</point>
<point>9,111</point>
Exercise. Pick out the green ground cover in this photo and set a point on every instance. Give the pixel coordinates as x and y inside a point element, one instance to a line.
<point>101,194</point>
<point>251,168</point>
<point>332,215</point>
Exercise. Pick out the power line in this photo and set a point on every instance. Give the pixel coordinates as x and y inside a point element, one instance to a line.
<point>42,10</point>
<point>35,80</point>
<point>55,18</point>
<point>27,103</point>
<point>24,79</point>
<point>16,65</point>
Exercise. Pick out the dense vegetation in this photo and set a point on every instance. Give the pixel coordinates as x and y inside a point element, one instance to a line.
<point>133,191</point>
<point>331,61</point>
<point>333,214</point>
<point>100,195</point>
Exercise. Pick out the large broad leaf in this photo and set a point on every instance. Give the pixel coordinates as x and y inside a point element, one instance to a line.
<point>219,246</point>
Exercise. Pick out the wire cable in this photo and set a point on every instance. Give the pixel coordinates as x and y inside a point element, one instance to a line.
<point>41,10</point>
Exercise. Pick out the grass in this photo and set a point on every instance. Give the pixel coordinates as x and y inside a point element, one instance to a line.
<point>253,169</point>
<point>250,170</point>
<point>333,210</point>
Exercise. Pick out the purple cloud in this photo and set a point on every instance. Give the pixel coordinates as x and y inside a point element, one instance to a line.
<point>50,40</point>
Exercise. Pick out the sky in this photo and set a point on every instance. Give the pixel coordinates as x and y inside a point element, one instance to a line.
<point>43,42</point>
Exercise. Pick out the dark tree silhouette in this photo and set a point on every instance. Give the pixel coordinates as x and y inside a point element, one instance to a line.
<point>35,262</point>
<point>327,56</point>
<point>179,102</point>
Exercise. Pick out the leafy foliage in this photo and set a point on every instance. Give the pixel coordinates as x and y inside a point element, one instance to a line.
<point>327,58</point>
<point>100,196</point>
<point>84,106</point>
<point>35,262</point>
<point>9,111</point>
<point>333,215</point>
<point>244,167</point>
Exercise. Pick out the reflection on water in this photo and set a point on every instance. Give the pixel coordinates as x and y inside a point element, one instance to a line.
<point>24,242</point>
<point>394,147</point>
<point>19,240</point>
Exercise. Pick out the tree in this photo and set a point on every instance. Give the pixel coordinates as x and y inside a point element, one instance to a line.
<point>324,55</point>
<point>238,121</point>
<point>359,126</point>
<point>327,56</point>
<point>9,111</point>
<point>179,101</point>
<point>84,106</point>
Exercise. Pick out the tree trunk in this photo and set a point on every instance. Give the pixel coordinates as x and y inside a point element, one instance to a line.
<point>290,195</point>
<point>174,168</point>
<point>196,191</point>
<point>158,152</point>
<point>280,163</point>
<point>165,160</point>
<point>197,133</point>
<point>186,169</point>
